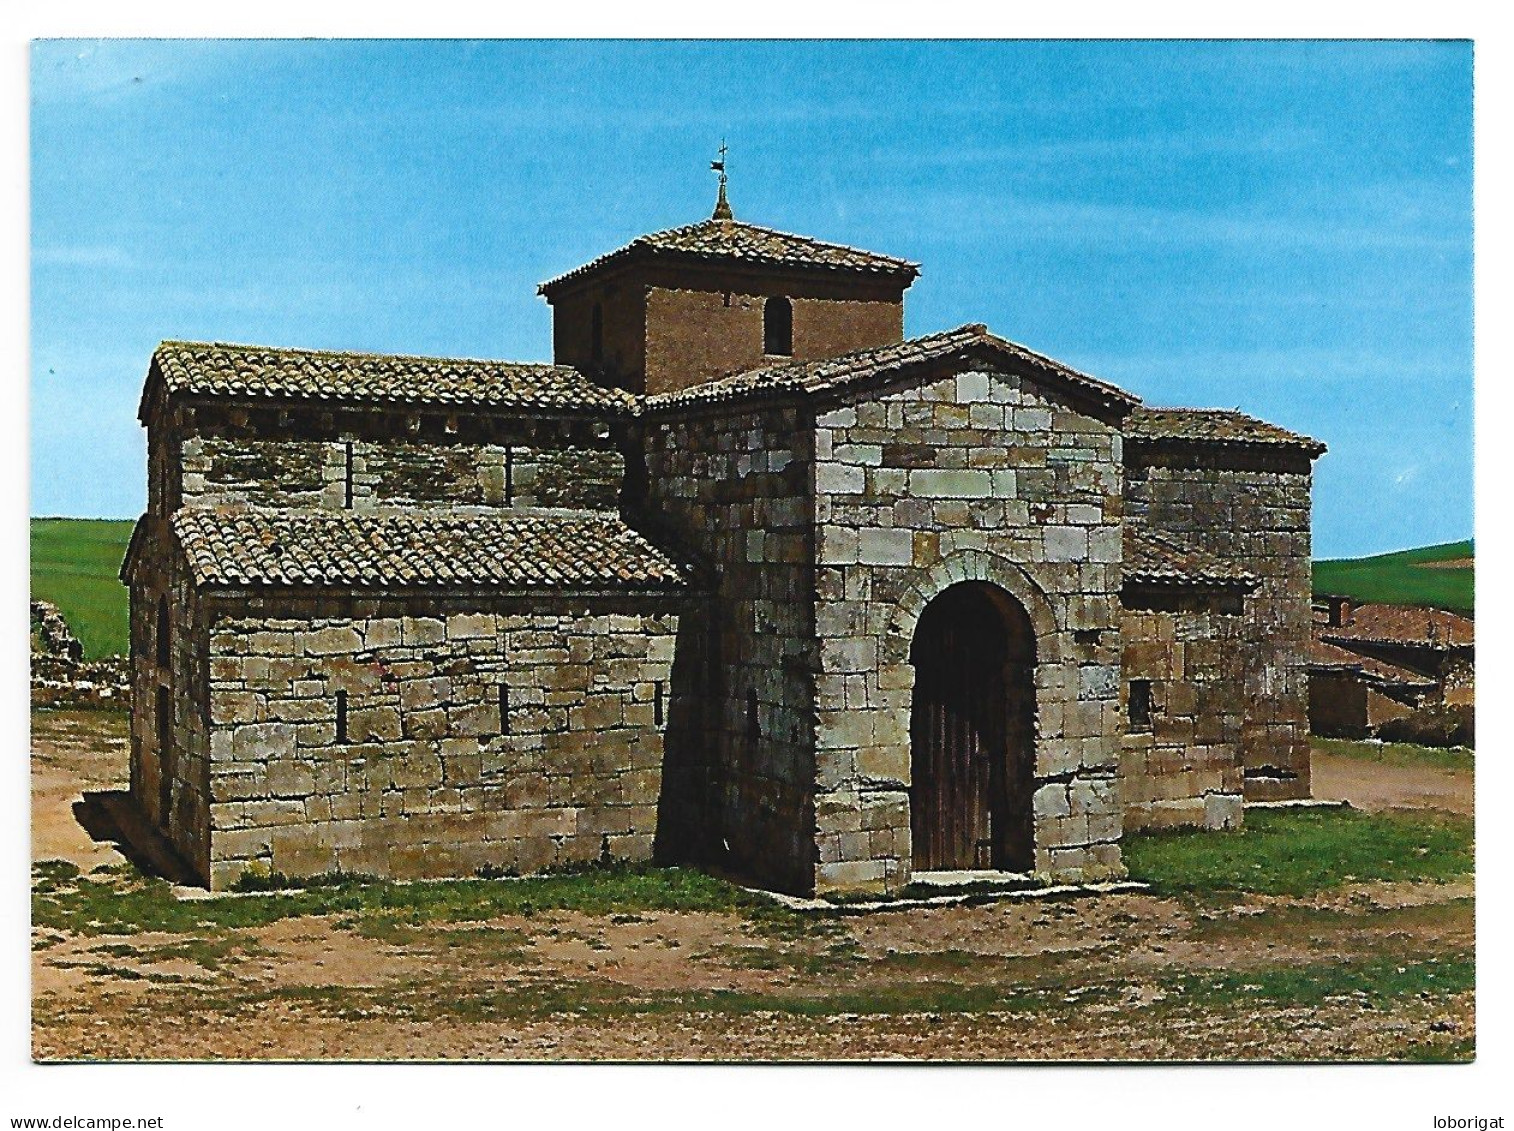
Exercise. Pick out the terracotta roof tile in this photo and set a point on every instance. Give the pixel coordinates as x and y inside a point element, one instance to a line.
<point>1403,624</point>
<point>810,377</point>
<point>1326,657</point>
<point>235,547</point>
<point>734,241</point>
<point>220,369</point>
<point>1213,426</point>
<point>1151,559</point>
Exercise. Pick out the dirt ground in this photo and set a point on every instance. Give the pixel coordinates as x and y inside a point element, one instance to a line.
<point>1129,977</point>
<point>1374,787</point>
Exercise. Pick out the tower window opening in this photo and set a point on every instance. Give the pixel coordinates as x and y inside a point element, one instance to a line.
<point>778,327</point>
<point>341,716</point>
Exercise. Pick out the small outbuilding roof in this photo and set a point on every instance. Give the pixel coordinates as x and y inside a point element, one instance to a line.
<point>247,547</point>
<point>1152,559</point>
<point>1327,657</point>
<point>734,242</point>
<point>219,369</point>
<point>970,343</point>
<point>1213,426</point>
<point>1403,625</point>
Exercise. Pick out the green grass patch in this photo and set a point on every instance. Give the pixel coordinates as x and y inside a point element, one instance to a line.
<point>76,564</point>
<point>1397,753</point>
<point>1446,1050</point>
<point>64,900</point>
<point>1299,852</point>
<point>1403,578</point>
<point>1377,981</point>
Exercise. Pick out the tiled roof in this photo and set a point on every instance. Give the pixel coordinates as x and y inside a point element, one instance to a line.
<point>219,369</point>
<point>731,240</point>
<point>1151,559</point>
<point>235,547</point>
<point>1213,426</point>
<point>1325,657</point>
<point>1402,624</point>
<point>972,341</point>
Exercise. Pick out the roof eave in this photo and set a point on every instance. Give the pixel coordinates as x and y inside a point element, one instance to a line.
<point>903,272</point>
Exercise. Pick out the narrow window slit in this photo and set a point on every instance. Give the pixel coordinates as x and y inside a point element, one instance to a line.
<point>341,716</point>
<point>504,708</point>
<point>347,479</point>
<point>777,327</point>
<point>163,642</point>
<point>1138,707</point>
<point>657,702</point>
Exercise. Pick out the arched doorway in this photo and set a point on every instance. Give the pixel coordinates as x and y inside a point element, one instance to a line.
<point>972,732</point>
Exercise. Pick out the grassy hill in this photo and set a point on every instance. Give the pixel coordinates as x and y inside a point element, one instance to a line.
<point>75,562</point>
<point>1409,577</point>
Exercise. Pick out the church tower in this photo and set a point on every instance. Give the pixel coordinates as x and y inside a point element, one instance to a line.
<point>683,306</point>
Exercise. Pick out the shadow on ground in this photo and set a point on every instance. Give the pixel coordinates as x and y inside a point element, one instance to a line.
<point>112,817</point>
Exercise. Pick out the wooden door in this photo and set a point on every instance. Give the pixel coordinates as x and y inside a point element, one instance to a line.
<point>972,733</point>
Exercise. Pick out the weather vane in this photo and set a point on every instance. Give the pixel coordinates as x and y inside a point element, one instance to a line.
<point>722,206</point>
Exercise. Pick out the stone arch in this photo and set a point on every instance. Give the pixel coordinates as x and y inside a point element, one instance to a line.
<point>972,732</point>
<point>972,565</point>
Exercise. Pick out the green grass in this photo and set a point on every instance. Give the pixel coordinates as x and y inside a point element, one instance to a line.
<point>1377,981</point>
<point>1403,578</point>
<point>62,899</point>
<point>1397,753</point>
<point>76,564</point>
<point>1300,852</point>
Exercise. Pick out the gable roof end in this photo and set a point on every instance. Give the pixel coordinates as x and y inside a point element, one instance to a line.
<point>968,344</point>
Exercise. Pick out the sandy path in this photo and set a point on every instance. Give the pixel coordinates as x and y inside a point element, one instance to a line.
<point>1373,786</point>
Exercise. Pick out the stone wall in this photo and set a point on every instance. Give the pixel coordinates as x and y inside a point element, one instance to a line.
<point>1343,705</point>
<point>61,677</point>
<point>1252,511</point>
<point>170,783</point>
<point>1458,683</point>
<point>697,335</point>
<point>669,326</point>
<point>1184,768</point>
<point>978,476</point>
<point>362,475</point>
<point>432,779</point>
<point>735,488</point>
<point>623,343</point>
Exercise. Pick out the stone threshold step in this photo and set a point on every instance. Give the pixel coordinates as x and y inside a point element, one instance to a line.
<point>978,895</point>
<point>1299,803</point>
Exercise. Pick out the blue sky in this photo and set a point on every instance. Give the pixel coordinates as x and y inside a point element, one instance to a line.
<point>1283,228</point>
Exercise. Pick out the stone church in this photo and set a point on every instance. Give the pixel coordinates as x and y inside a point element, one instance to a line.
<point>743,579</point>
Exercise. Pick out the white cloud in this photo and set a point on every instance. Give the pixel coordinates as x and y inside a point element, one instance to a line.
<point>81,255</point>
